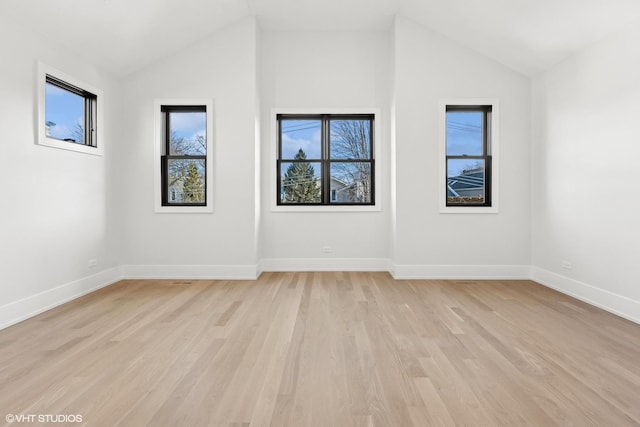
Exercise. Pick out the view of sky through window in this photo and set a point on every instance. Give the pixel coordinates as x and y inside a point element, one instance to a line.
<point>188,132</point>
<point>186,162</point>
<point>301,134</point>
<point>64,114</point>
<point>464,137</point>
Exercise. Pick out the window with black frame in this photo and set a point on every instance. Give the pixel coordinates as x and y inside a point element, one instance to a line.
<point>184,159</point>
<point>70,113</point>
<point>468,155</point>
<point>325,159</point>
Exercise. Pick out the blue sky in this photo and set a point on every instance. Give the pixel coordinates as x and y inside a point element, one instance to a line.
<point>189,124</point>
<point>297,134</point>
<point>305,135</point>
<point>464,136</point>
<point>64,109</point>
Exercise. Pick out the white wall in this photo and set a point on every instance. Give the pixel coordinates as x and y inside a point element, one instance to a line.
<point>219,244</point>
<point>54,204</point>
<point>429,67</point>
<point>586,174</point>
<point>329,70</point>
<point>60,208</point>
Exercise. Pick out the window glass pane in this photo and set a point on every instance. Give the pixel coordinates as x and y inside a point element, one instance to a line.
<point>64,114</point>
<point>188,133</point>
<point>350,139</point>
<point>464,133</point>
<point>186,178</point>
<point>300,182</point>
<point>465,180</point>
<point>351,182</point>
<point>300,135</point>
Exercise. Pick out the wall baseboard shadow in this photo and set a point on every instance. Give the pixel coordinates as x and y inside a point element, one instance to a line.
<point>192,272</point>
<point>323,264</point>
<point>17,311</point>
<point>619,305</point>
<point>25,308</point>
<point>461,272</point>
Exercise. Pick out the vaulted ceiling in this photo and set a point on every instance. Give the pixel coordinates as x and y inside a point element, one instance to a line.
<point>125,35</point>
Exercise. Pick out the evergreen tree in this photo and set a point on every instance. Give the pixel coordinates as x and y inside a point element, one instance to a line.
<point>299,182</point>
<point>192,187</point>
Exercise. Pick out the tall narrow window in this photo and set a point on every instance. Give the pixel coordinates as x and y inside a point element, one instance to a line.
<point>468,155</point>
<point>325,159</point>
<point>184,159</point>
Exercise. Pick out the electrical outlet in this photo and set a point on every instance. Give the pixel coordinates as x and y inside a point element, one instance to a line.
<point>327,249</point>
<point>92,263</point>
<point>566,265</point>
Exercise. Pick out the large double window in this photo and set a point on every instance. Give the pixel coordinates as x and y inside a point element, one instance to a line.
<point>325,159</point>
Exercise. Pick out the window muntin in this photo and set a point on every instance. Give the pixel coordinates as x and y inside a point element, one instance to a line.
<point>325,159</point>
<point>184,159</point>
<point>468,155</point>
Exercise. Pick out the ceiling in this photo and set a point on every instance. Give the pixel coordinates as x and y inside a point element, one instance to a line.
<point>126,35</point>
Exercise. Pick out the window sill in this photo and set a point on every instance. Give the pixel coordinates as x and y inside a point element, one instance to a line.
<point>184,209</point>
<point>469,209</point>
<point>70,146</point>
<point>325,208</point>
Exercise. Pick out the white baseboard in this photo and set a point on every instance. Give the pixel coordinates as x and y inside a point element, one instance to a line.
<point>617,304</point>
<point>25,308</point>
<point>324,264</point>
<point>20,310</point>
<point>193,272</point>
<point>461,272</point>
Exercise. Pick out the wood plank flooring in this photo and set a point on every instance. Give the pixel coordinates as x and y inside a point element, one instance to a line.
<point>324,349</point>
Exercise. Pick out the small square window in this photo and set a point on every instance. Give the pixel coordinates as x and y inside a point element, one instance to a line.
<point>69,112</point>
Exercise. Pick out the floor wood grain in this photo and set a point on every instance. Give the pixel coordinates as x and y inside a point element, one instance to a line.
<point>324,349</point>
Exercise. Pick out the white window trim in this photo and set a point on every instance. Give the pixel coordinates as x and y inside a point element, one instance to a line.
<point>42,138</point>
<point>273,193</point>
<point>495,164</point>
<point>158,152</point>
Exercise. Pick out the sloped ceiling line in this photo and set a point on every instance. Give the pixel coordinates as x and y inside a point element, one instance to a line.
<point>126,35</point>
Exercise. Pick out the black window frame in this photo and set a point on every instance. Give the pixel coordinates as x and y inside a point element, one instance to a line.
<point>166,156</point>
<point>485,156</point>
<point>325,160</point>
<point>90,125</point>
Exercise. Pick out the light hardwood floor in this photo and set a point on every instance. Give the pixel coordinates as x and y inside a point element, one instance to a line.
<point>324,349</point>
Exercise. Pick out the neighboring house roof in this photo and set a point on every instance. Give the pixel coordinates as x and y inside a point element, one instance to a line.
<point>471,180</point>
